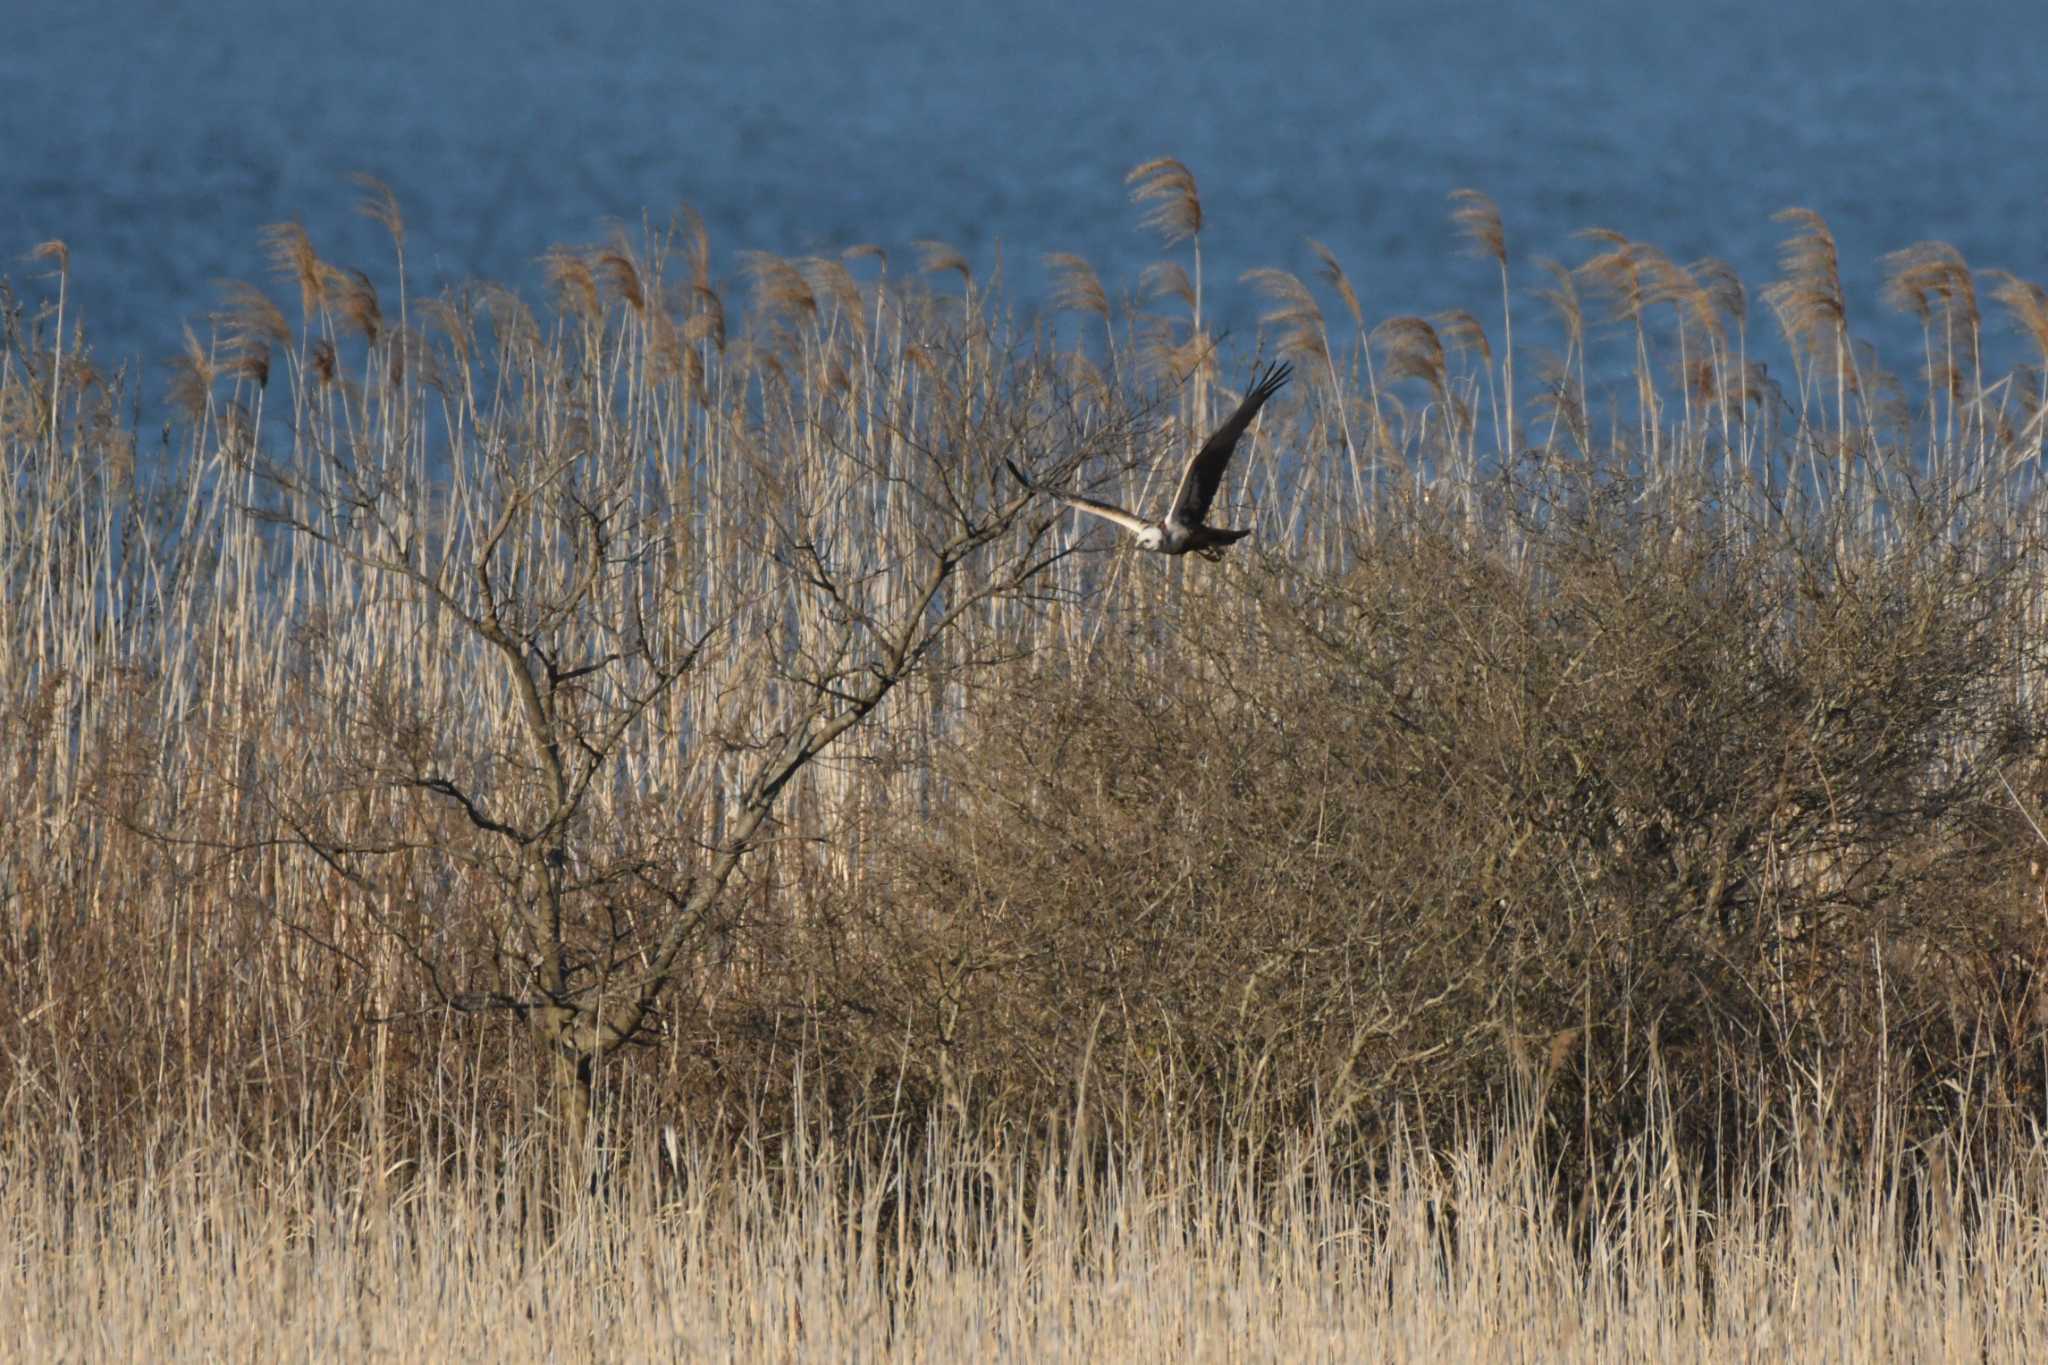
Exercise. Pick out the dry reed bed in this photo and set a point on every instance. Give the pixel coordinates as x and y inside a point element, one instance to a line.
<point>790,1251</point>
<point>211,648</point>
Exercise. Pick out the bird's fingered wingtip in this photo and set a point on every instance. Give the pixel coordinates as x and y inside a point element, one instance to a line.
<point>1277,374</point>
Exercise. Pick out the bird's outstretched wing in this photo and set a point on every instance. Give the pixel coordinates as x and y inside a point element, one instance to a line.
<point>1107,511</point>
<point>1204,474</point>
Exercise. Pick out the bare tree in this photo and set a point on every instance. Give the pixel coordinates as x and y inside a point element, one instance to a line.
<point>636,610</point>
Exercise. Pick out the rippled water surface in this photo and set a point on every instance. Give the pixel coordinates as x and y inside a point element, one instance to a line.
<point>157,146</point>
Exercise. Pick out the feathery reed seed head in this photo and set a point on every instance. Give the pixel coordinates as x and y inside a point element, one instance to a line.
<point>1563,299</point>
<point>867,251</point>
<point>780,289</point>
<point>1725,290</point>
<point>326,364</point>
<point>618,269</point>
<point>1928,273</point>
<point>569,274</point>
<point>697,247</point>
<point>1463,331</point>
<point>831,279</point>
<point>292,256</point>
<point>935,257</point>
<point>53,250</point>
<point>1616,272</point>
<point>1169,187</point>
<point>1076,286</point>
<point>359,304</point>
<point>190,392</point>
<point>1479,217</point>
<point>1295,314</point>
<point>380,206</point>
<point>1809,300</point>
<point>1333,274</point>
<point>251,312</point>
<point>707,324</point>
<point>2027,304</point>
<point>1168,280</point>
<point>1413,350</point>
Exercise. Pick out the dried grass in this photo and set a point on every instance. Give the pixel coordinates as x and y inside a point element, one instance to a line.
<point>791,1247</point>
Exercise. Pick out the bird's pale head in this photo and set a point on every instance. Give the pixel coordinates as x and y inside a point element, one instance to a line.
<point>1151,538</point>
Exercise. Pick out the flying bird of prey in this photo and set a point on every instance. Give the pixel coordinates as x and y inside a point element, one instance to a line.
<point>1182,529</point>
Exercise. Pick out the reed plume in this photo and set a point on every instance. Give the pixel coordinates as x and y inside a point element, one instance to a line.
<point>2026,303</point>
<point>380,206</point>
<point>1617,271</point>
<point>830,278</point>
<point>1920,277</point>
<point>936,258</point>
<point>1176,205</point>
<point>1170,357</point>
<point>569,275</point>
<point>1479,218</point>
<point>1076,286</point>
<point>512,321</point>
<point>255,326</point>
<point>617,268</point>
<point>1633,276</point>
<point>292,256</point>
<point>1931,281</point>
<point>1558,396</point>
<point>1333,275</point>
<point>1176,214</point>
<point>1694,303</point>
<point>1813,313</point>
<point>1464,332</point>
<point>697,249</point>
<point>1564,301</point>
<point>1911,278</point>
<point>324,362</point>
<point>867,251</point>
<point>707,324</point>
<point>190,392</point>
<point>1294,314</point>
<point>358,302</point>
<point>1304,335</point>
<point>1725,290</point>
<point>780,289</point>
<point>1168,280</point>
<point>1411,349</point>
<point>1809,299</point>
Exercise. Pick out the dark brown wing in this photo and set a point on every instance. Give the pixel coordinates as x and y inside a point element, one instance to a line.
<point>1204,474</point>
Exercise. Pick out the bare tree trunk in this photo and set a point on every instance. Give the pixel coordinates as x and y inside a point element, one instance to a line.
<point>569,1097</point>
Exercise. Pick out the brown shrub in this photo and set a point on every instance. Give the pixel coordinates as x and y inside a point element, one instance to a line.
<point>1642,802</point>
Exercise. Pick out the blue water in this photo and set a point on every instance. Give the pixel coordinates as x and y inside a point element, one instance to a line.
<point>158,146</point>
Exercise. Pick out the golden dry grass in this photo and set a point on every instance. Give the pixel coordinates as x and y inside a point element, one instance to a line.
<point>778,1250</point>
